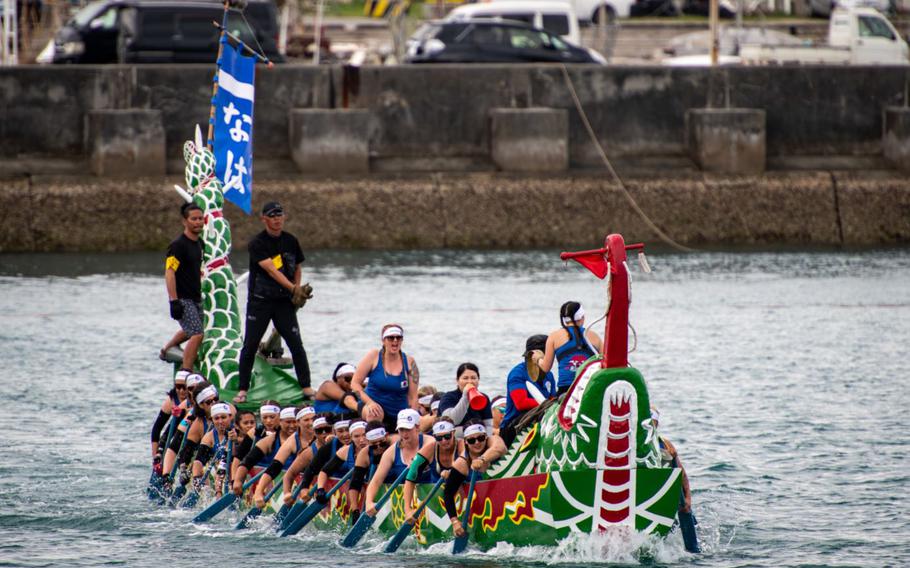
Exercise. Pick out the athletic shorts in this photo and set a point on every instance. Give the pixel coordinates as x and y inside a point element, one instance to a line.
<point>191,322</point>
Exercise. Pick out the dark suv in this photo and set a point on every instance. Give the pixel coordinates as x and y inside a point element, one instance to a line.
<point>160,31</point>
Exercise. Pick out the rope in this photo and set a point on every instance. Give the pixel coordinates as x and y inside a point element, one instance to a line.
<point>253,33</point>
<point>603,155</point>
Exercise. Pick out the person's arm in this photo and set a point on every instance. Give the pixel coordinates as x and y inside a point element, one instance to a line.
<point>203,454</point>
<point>458,411</point>
<point>378,479</point>
<point>371,410</point>
<point>260,449</point>
<point>361,468</point>
<point>496,448</point>
<point>686,507</point>
<point>413,383</point>
<point>287,449</point>
<point>423,457</point>
<point>269,267</point>
<point>522,400</point>
<point>163,415</point>
<point>595,341</point>
<point>298,274</point>
<point>329,390</point>
<point>546,362</point>
<point>170,282</point>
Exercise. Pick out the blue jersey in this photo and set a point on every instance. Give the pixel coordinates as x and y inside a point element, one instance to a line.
<point>398,464</point>
<point>436,468</point>
<point>518,379</point>
<point>389,391</point>
<point>349,461</point>
<point>571,356</point>
<point>333,406</point>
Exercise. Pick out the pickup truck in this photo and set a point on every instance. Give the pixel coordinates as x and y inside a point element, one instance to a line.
<point>856,36</point>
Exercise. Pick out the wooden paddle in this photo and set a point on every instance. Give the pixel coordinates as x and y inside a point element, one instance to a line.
<point>224,502</point>
<point>405,529</point>
<point>366,521</point>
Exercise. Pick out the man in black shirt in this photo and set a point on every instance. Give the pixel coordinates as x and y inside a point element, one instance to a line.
<point>274,295</point>
<point>184,290</point>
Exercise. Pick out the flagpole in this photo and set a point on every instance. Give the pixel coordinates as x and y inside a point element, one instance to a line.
<point>210,139</point>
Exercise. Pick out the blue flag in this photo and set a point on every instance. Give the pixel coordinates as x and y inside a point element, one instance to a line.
<point>233,144</point>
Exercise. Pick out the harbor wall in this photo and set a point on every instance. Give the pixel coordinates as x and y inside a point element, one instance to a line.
<point>476,210</point>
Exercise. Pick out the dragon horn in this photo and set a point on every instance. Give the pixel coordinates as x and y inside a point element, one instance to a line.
<point>198,138</point>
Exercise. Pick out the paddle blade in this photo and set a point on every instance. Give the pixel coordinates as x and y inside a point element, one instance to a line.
<point>359,529</point>
<point>687,527</point>
<point>215,508</point>
<point>303,519</point>
<point>191,500</point>
<point>245,521</point>
<point>292,514</point>
<point>281,514</point>
<point>460,544</point>
<point>403,531</point>
<point>177,495</point>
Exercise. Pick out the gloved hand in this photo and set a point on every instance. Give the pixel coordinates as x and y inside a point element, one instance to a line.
<point>355,514</point>
<point>156,465</point>
<point>321,497</point>
<point>184,475</point>
<point>177,411</point>
<point>176,310</point>
<point>301,294</point>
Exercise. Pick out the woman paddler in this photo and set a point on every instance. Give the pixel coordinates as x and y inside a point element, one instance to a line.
<point>400,457</point>
<point>571,345</point>
<point>173,398</point>
<point>440,455</point>
<point>341,461</point>
<point>265,450</point>
<point>368,458</point>
<point>336,395</point>
<point>214,443</point>
<point>466,402</point>
<point>393,379</point>
<point>196,424</point>
<point>183,409</point>
<point>340,436</point>
<point>481,450</point>
<point>311,434</point>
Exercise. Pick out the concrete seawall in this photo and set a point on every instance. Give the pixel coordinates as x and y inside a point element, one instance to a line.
<point>475,210</point>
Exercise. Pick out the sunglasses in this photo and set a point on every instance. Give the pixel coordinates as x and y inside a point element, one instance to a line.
<point>394,338</point>
<point>442,437</point>
<point>209,401</point>
<point>378,444</point>
<point>477,440</point>
<point>323,430</point>
<point>180,387</point>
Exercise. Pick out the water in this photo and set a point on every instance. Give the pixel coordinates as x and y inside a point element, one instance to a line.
<point>781,377</point>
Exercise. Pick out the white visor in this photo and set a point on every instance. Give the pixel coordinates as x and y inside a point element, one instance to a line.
<point>359,425</point>
<point>346,370</point>
<point>394,330</point>
<point>305,411</point>
<point>320,422</point>
<point>443,427</point>
<point>474,429</point>
<point>268,409</point>
<point>377,434</point>
<point>207,393</point>
<point>289,412</point>
<point>435,406</point>
<point>341,424</point>
<point>425,400</point>
<point>220,408</point>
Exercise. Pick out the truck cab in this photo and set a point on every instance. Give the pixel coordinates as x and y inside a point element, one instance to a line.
<point>869,35</point>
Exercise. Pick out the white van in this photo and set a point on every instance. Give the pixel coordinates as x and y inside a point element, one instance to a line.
<point>555,16</point>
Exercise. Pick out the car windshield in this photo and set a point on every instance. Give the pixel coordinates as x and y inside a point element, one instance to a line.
<point>89,13</point>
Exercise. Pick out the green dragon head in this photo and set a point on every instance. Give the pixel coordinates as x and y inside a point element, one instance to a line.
<point>200,162</point>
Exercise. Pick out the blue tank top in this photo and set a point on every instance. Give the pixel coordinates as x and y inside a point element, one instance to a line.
<point>349,461</point>
<point>333,406</point>
<point>389,391</point>
<point>398,465</point>
<point>572,355</point>
<point>436,468</point>
<point>268,458</point>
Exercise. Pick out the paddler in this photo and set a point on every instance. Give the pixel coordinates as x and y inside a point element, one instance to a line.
<point>341,438</point>
<point>440,455</point>
<point>213,444</point>
<point>342,461</point>
<point>182,269</point>
<point>571,345</point>
<point>336,395</point>
<point>173,398</point>
<point>264,451</point>
<point>400,456</point>
<point>481,451</point>
<point>527,386</point>
<point>194,426</point>
<point>311,434</point>
<point>387,379</point>
<point>368,458</point>
<point>459,404</point>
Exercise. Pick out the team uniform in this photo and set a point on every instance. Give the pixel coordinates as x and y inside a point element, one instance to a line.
<point>389,391</point>
<point>571,355</point>
<point>184,257</point>
<point>519,380</point>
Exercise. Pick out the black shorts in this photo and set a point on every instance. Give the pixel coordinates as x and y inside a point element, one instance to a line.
<point>191,322</point>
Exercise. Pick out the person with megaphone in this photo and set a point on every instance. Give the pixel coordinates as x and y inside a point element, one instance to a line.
<point>466,402</point>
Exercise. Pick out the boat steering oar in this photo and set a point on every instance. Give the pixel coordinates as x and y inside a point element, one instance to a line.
<point>224,502</point>
<point>256,511</point>
<point>302,519</point>
<point>405,529</point>
<point>461,542</point>
<point>366,521</point>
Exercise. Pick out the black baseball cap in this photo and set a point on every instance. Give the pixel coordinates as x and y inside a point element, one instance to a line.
<point>272,209</point>
<point>536,342</point>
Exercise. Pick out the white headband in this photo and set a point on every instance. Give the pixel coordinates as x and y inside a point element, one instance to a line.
<point>181,375</point>
<point>345,369</point>
<point>319,422</point>
<point>206,394</point>
<point>425,400</point>
<point>341,424</point>
<point>394,330</point>
<point>377,434</point>
<point>579,313</point>
<point>193,379</point>
<point>305,411</point>
<point>474,429</point>
<point>434,406</point>
<point>288,412</point>
<point>268,409</point>
<point>443,427</point>
<point>359,425</point>
<point>220,408</point>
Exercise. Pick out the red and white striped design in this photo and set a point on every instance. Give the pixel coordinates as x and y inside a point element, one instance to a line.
<point>615,488</point>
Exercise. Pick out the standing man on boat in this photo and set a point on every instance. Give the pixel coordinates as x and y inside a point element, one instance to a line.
<point>182,269</point>
<point>274,296</point>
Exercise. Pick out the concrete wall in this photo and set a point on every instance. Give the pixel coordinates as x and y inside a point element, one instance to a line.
<point>437,117</point>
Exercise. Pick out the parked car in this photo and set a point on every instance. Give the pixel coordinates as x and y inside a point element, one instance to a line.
<point>650,8</point>
<point>158,31</point>
<point>556,17</point>
<point>823,8</point>
<point>485,41</point>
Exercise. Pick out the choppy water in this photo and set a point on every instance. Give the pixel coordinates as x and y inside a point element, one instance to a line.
<point>782,378</point>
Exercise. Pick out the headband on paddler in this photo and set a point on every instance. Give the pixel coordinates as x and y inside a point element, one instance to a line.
<point>193,379</point>
<point>341,424</point>
<point>577,316</point>
<point>220,408</point>
<point>305,411</point>
<point>344,369</point>
<point>435,406</point>
<point>269,409</point>
<point>289,412</point>
<point>358,425</point>
<point>443,427</point>
<point>207,393</point>
<point>425,400</point>
<point>392,331</point>
<point>474,429</point>
<point>320,422</point>
<point>376,434</point>
<point>181,375</point>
